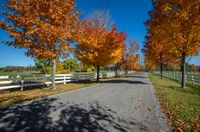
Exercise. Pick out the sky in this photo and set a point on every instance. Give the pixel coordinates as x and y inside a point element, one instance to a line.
<point>129,16</point>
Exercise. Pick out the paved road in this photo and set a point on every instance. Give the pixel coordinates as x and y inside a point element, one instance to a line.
<point>126,104</point>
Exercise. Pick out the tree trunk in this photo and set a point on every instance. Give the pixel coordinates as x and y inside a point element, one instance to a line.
<point>161,70</point>
<point>126,69</point>
<point>183,70</point>
<point>98,69</point>
<point>53,74</point>
<point>115,71</point>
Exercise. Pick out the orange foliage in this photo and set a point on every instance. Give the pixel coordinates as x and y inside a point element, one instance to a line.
<point>98,46</point>
<point>193,68</point>
<point>149,65</point>
<point>42,27</point>
<point>131,58</point>
<point>179,21</point>
<point>173,32</point>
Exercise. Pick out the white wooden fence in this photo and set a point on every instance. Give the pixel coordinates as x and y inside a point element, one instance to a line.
<point>191,77</point>
<point>12,82</point>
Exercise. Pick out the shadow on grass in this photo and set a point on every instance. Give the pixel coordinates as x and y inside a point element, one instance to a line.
<point>6,101</point>
<point>191,88</point>
<point>186,90</point>
<point>50,115</point>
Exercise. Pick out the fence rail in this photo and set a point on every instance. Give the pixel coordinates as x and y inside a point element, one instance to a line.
<point>191,78</point>
<point>13,82</point>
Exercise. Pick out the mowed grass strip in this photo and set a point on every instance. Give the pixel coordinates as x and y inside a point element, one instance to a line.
<point>182,106</point>
<point>9,97</point>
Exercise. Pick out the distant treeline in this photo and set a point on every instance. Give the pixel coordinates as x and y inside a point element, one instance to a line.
<point>17,68</point>
<point>176,67</point>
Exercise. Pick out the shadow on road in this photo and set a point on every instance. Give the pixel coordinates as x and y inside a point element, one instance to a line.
<point>39,116</point>
<point>136,76</point>
<point>123,81</point>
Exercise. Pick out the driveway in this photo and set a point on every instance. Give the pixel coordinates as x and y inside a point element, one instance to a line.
<point>125,104</point>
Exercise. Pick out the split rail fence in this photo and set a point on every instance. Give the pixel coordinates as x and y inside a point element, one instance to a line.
<point>25,81</point>
<point>191,77</point>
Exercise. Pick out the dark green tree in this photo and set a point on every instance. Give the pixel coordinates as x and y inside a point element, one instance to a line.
<point>43,66</point>
<point>71,64</point>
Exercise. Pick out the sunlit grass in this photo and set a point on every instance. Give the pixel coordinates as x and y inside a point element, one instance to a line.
<point>15,73</point>
<point>182,106</point>
<point>9,97</point>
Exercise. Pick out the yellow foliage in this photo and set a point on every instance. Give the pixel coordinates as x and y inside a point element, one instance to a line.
<point>59,67</point>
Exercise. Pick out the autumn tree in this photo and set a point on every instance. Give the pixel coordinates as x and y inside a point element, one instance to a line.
<point>44,28</point>
<point>192,67</point>
<point>179,21</point>
<point>156,50</point>
<point>130,58</point>
<point>149,65</point>
<point>99,45</point>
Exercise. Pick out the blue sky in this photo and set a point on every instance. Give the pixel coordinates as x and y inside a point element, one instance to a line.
<point>129,15</point>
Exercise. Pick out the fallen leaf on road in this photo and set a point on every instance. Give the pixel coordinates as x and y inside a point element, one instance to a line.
<point>135,108</point>
<point>179,130</point>
<point>149,109</point>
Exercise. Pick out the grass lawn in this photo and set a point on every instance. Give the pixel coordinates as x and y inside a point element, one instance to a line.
<point>14,73</point>
<point>182,106</point>
<point>8,97</point>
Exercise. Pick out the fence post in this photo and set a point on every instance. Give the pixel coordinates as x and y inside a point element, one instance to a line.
<point>46,78</point>
<point>186,78</point>
<point>34,78</point>
<point>192,79</point>
<point>174,75</point>
<point>64,80</point>
<point>93,76</point>
<point>22,84</point>
<point>76,77</point>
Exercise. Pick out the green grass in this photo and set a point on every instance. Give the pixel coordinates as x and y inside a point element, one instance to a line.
<point>182,106</point>
<point>14,73</point>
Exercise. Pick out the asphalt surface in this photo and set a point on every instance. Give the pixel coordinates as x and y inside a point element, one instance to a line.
<point>125,104</point>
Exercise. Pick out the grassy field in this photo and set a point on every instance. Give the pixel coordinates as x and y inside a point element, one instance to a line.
<point>182,106</point>
<point>8,97</point>
<point>14,73</point>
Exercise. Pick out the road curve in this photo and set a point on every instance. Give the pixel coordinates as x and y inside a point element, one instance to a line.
<point>125,104</point>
